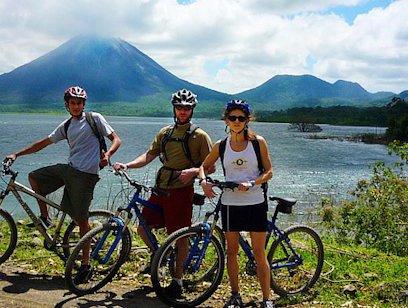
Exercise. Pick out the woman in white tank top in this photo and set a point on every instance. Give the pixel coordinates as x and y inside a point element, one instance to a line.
<point>245,208</point>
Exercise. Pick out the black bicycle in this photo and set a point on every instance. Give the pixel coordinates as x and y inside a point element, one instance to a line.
<point>295,257</point>
<point>60,240</point>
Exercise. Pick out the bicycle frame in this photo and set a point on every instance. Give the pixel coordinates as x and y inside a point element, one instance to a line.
<point>197,253</point>
<point>133,204</point>
<point>15,188</point>
<point>271,229</point>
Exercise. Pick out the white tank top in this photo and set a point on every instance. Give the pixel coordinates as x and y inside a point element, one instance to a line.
<point>241,167</point>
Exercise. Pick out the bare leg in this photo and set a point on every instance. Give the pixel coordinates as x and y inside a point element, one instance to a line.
<point>144,237</point>
<point>83,229</point>
<point>182,252</point>
<point>42,204</point>
<point>232,259</point>
<point>258,240</point>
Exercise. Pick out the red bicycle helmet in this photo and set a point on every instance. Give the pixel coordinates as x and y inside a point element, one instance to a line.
<point>75,91</point>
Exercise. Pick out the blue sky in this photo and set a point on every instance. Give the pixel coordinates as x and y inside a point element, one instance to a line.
<point>227,45</point>
<point>349,13</point>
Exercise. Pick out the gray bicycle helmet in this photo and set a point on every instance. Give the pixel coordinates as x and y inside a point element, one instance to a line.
<point>184,98</point>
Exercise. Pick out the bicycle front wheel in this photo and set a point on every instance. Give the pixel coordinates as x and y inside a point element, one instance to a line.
<point>72,235</point>
<point>8,235</point>
<point>200,265</point>
<point>296,261</point>
<point>108,252</point>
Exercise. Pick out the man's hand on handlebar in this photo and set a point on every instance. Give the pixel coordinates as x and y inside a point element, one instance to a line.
<point>120,166</point>
<point>11,157</point>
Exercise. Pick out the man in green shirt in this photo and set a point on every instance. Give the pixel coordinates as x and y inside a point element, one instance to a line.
<point>182,147</point>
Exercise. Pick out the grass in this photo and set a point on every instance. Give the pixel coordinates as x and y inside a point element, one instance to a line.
<point>378,278</point>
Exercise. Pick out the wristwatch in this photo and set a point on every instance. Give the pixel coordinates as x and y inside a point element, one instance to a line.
<point>200,180</point>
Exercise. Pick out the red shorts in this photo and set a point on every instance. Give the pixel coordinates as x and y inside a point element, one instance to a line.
<point>177,209</point>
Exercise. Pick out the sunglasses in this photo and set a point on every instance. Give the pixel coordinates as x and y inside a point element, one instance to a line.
<point>185,108</point>
<point>233,118</point>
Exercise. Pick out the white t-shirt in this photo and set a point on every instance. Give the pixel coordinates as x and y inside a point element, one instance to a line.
<point>241,167</point>
<point>84,152</point>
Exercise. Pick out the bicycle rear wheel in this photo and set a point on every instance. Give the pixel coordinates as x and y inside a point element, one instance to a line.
<point>292,273</point>
<point>200,280</point>
<point>104,267</point>
<point>72,235</point>
<point>8,235</point>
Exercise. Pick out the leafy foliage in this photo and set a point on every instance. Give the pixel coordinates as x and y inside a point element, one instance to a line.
<point>378,216</point>
<point>398,123</point>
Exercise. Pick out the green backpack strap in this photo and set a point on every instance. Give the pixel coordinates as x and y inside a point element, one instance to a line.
<point>186,148</point>
<point>166,137</point>
<point>184,143</point>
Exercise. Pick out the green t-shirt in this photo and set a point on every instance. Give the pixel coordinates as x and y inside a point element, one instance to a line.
<point>199,144</point>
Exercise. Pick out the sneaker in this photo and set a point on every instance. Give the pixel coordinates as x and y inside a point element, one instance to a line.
<point>174,290</point>
<point>235,301</point>
<point>84,274</point>
<point>267,304</point>
<point>47,223</point>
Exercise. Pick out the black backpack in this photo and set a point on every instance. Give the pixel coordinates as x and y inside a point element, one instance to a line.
<point>257,149</point>
<point>184,143</point>
<point>91,121</point>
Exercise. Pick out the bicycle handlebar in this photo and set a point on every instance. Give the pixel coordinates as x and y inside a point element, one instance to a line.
<point>6,167</point>
<point>134,183</point>
<point>222,185</point>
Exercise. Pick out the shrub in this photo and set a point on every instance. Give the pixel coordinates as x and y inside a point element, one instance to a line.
<point>378,215</point>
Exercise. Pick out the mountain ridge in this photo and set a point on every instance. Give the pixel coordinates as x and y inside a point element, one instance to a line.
<point>112,70</point>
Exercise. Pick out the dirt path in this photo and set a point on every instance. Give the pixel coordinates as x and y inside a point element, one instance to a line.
<point>19,289</point>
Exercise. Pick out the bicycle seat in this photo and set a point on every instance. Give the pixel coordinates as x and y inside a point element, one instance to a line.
<point>284,204</point>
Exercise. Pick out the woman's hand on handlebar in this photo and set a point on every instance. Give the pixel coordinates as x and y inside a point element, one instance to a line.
<point>244,186</point>
<point>208,189</point>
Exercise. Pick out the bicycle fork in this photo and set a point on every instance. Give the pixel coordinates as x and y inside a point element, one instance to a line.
<point>197,253</point>
<point>115,221</point>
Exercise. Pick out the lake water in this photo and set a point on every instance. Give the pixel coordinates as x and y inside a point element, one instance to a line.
<point>306,169</point>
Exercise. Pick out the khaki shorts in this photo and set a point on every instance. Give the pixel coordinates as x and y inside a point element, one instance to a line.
<point>78,190</point>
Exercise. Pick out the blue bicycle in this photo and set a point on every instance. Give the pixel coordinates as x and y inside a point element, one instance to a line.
<point>111,242</point>
<point>295,257</point>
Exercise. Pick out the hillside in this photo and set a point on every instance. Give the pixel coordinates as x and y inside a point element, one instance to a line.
<point>287,91</point>
<point>111,70</point>
<point>117,76</point>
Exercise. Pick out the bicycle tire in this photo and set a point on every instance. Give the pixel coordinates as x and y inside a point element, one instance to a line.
<point>102,273</point>
<point>296,279</point>
<point>8,235</point>
<point>71,235</point>
<point>198,285</point>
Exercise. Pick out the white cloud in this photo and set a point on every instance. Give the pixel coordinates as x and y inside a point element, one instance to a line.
<point>254,40</point>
